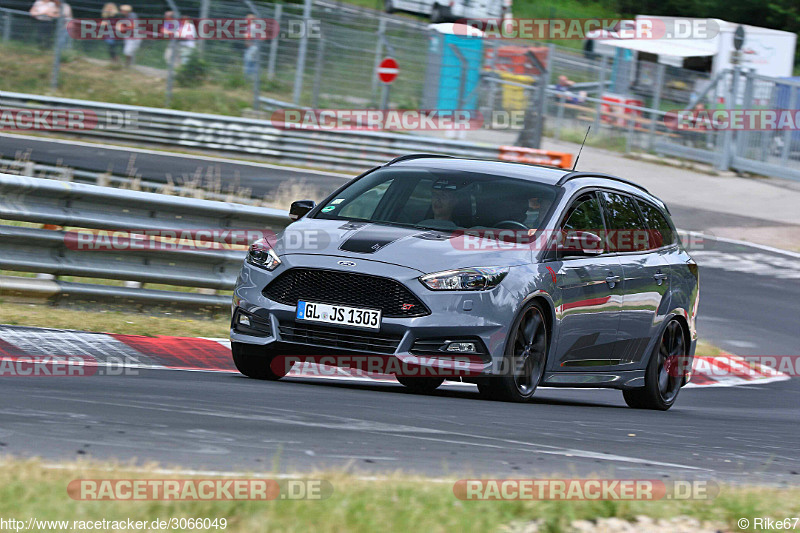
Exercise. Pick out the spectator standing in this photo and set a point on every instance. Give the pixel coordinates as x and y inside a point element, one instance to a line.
<point>184,33</point>
<point>47,13</point>
<point>108,14</point>
<point>187,43</point>
<point>251,50</point>
<point>131,45</point>
<point>169,31</point>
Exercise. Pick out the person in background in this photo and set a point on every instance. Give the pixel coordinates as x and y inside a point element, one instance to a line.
<point>110,12</point>
<point>186,44</point>
<point>169,31</point>
<point>250,51</point>
<point>131,45</point>
<point>47,13</point>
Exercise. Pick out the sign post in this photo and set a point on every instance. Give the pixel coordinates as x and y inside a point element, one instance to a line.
<point>387,72</point>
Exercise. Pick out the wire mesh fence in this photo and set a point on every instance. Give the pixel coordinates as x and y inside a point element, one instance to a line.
<point>328,58</point>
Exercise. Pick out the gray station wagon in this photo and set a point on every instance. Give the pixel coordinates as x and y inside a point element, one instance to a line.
<point>537,276</point>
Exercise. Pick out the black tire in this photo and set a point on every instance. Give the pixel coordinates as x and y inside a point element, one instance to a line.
<point>662,381</point>
<point>437,15</point>
<point>388,6</point>
<point>420,385</point>
<point>255,361</point>
<point>525,358</point>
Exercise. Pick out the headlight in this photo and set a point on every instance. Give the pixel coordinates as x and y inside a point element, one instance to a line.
<point>465,279</point>
<point>262,255</point>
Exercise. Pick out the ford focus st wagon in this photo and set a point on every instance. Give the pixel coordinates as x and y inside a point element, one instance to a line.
<point>530,276</point>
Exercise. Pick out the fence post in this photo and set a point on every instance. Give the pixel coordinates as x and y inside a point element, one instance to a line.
<point>170,71</point>
<point>747,103</point>
<point>600,87</point>
<point>794,96</point>
<point>378,55</point>
<point>319,62</point>
<point>301,55</point>
<point>59,45</point>
<point>204,9</point>
<point>273,46</point>
<point>257,79</point>
<point>724,154</point>
<point>656,105</point>
<point>172,57</point>
<point>6,27</point>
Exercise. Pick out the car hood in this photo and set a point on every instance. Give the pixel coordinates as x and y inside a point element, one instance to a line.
<point>424,250</point>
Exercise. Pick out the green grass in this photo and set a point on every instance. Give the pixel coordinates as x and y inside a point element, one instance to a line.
<point>394,503</point>
<point>113,321</point>
<point>27,70</point>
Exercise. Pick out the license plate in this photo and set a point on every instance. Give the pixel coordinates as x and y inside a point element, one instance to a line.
<point>339,314</point>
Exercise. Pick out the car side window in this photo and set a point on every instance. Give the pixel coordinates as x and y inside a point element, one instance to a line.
<point>660,233</point>
<point>627,231</point>
<point>584,215</point>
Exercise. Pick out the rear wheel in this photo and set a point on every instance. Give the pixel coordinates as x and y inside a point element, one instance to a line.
<point>662,378</point>
<point>421,385</point>
<point>524,362</point>
<point>255,361</point>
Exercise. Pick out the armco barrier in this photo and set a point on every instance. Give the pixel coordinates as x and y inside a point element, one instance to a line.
<point>76,205</point>
<point>345,150</point>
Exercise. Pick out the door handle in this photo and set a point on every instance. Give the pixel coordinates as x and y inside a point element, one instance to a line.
<point>660,277</point>
<point>612,280</point>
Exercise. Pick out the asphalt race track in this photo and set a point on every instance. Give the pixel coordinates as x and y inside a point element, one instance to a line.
<point>220,421</point>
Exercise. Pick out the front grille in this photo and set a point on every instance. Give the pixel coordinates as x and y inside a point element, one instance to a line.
<point>345,288</point>
<point>362,341</point>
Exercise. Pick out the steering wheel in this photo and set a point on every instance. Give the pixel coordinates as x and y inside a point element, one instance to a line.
<point>513,223</point>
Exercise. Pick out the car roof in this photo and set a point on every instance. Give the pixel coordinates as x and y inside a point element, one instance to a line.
<point>538,173</point>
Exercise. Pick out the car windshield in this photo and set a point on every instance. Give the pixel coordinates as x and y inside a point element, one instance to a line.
<point>443,200</point>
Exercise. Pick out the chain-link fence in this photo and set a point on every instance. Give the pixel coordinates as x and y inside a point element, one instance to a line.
<point>328,57</point>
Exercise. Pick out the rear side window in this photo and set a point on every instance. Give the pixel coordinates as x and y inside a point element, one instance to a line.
<point>660,233</point>
<point>627,231</point>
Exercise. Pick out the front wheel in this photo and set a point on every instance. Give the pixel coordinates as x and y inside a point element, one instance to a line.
<point>662,378</point>
<point>255,361</point>
<point>525,359</point>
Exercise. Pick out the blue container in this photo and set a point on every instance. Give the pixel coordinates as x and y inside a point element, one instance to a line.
<point>443,75</point>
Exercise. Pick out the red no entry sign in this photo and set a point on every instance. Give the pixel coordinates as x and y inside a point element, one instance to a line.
<point>388,70</point>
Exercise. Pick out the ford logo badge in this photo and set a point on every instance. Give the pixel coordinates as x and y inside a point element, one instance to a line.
<point>347,263</point>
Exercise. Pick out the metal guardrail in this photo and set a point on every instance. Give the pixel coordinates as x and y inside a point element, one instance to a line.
<point>344,150</point>
<point>75,205</point>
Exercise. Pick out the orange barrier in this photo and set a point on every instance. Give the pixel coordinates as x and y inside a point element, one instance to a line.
<point>519,154</point>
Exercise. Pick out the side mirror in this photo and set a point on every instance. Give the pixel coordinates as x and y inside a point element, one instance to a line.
<point>300,208</point>
<point>580,243</point>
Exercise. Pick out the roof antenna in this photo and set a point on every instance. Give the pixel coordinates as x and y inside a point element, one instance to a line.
<point>581,148</point>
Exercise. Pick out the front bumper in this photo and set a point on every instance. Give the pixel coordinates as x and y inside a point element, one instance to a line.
<point>482,316</point>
